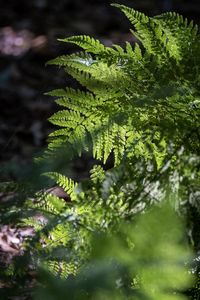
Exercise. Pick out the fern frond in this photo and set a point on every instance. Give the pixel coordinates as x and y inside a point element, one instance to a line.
<point>57,143</point>
<point>68,94</point>
<point>33,222</point>
<point>50,204</point>
<point>145,27</point>
<point>102,143</point>
<point>61,269</point>
<point>64,118</point>
<point>97,174</point>
<point>177,32</point>
<point>85,79</point>
<point>59,235</point>
<point>73,59</point>
<point>120,134</point>
<point>160,35</point>
<point>134,16</point>
<point>67,184</point>
<point>88,43</point>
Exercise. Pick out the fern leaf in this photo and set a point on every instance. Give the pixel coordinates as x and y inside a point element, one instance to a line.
<point>68,60</point>
<point>87,43</point>
<point>50,203</point>
<point>119,133</point>
<point>155,37</point>
<point>67,184</point>
<point>134,16</point>
<point>178,33</point>
<point>97,174</point>
<point>62,118</point>
<point>61,269</point>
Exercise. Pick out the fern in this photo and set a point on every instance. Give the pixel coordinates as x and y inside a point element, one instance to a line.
<point>67,184</point>
<point>124,85</point>
<point>137,106</point>
<point>140,107</point>
<point>87,43</point>
<point>97,174</point>
<point>61,269</point>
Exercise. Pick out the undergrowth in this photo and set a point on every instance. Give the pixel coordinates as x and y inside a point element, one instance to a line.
<point>138,105</point>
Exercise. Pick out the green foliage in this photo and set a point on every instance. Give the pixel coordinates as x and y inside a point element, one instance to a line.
<point>139,106</point>
<point>67,184</point>
<point>140,260</point>
<point>137,98</point>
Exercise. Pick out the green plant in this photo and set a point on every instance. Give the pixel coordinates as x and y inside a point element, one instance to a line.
<point>140,106</point>
<point>144,259</point>
<point>138,97</point>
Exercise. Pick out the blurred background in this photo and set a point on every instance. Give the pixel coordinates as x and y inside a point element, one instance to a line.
<point>28,38</point>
